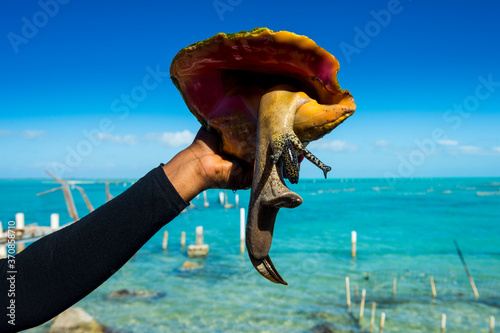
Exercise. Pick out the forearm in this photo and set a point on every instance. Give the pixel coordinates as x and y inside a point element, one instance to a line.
<point>62,268</point>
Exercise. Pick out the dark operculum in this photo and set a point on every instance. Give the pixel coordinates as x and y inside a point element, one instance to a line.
<point>289,163</point>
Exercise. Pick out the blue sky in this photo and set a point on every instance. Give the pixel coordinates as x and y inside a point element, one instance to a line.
<point>425,76</point>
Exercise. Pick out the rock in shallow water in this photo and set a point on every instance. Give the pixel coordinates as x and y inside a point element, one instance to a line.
<point>135,294</point>
<point>75,320</point>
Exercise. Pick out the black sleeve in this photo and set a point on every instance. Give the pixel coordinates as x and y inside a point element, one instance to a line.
<point>60,269</point>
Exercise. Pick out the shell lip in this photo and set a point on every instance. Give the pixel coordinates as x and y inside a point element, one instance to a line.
<point>198,69</point>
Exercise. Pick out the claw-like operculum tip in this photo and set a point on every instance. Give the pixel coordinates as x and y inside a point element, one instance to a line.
<point>266,268</point>
<point>326,170</point>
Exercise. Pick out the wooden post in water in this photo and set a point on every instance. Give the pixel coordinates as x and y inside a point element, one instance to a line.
<point>3,251</point>
<point>205,202</point>
<point>108,194</point>
<point>54,221</point>
<point>165,240</point>
<point>355,292</point>
<point>443,323</point>
<point>237,200</point>
<point>492,324</point>
<point>242,230</point>
<point>394,281</point>
<point>348,294</point>
<point>372,319</point>
<point>20,221</point>
<point>200,249</point>
<point>199,235</point>
<point>433,287</point>
<point>362,306</point>
<point>183,239</point>
<point>227,205</point>
<point>471,280</point>
<point>382,322</point>
<point>221,198</point>
<point>354,239</point>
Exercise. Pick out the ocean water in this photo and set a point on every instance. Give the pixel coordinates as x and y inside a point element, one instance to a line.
<point>405,230</point>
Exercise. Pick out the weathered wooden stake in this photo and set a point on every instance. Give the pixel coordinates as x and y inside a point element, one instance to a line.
<point>355,292</point>
<point>199,235</point>
<point>348,293</point>
<point>54,221</point>
<point>433,287</point>
<point>20,221</point>
<point>183,238</point>
<point>394,281</point>
<point>205,201</point>
<point>443,323</point>
<point>3,251</point>
<point>492,324</point>
<point>237,200</point>
<point>200,249</point>
<point>353,243</point>
<point>372,319</point>
<point>1,228</point>
<point>471,280</point>
<point>165,240</point>
<point>362,306</point>
<point>382,322</point>
<point>108,194</point>
<point>242,230</point>
<point>227,205</point>
<point>221,197</point>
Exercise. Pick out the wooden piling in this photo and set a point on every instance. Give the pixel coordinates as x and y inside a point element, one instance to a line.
<point>394,281</point>
<point>443,323</point>
<point>492,324</point>
<point>227,205</point>
<point>382,322</point>
<point>54,221</point>
<point>237,200</point>
<point>355,292</point>
<point>200,249</point>
<point>1,228</point>
<point>372,319</point>
<point>3,251</point>
<point>242,230</point>
<point>20,221</point>
<point>433,287</point>
<point>205,201</point>
<point>362,306</point>
<point>221,198</point>
<point>165,240</point>
<point>354,240</point>
<point>199,235</point>
<point>471,280</point>
<point>183,239</point>
<point>348,293</point>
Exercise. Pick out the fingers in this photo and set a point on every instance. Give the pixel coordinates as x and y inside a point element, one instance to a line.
<point>241,177</point>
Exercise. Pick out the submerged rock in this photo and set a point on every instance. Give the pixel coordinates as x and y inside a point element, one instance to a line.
<point>75,320</point>
<point>190,265</point>
<point>323,328</point>
<point>135,294</point>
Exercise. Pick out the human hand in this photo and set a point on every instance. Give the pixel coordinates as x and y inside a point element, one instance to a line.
<point>201,166</point>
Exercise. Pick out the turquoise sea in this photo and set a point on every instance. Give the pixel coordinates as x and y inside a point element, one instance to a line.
<point>405,230</point>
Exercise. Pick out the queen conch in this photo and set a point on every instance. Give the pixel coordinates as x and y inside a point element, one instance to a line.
<point>267,94</point>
